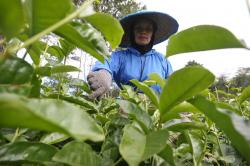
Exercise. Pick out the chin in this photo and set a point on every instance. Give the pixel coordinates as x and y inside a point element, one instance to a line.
<point>143,43</point>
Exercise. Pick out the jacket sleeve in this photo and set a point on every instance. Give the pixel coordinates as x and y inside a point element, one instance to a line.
<point>111,65</point>
<point>167,67</point>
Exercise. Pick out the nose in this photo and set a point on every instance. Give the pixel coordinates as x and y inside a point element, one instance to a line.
<point>142,29</point>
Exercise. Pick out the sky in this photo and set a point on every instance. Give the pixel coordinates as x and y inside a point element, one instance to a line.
<point>230,14</point>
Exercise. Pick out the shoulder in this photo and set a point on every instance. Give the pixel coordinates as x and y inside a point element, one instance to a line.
<point>163,59</point>
<point>120,51</point>
<point>158,55</point>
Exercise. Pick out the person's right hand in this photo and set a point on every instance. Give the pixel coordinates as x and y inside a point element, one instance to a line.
<point>100,82</point>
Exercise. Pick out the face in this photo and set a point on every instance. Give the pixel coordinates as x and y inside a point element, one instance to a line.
<point>143,31</point>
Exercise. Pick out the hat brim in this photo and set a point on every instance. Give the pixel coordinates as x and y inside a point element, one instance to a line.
<point>166,26</point>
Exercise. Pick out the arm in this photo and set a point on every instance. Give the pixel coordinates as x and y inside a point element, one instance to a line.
<point>111,65</point>
<point>167,67</point>
<point>100,79</point>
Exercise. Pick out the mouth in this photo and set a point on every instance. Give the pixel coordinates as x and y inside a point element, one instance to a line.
<point>143,37</point>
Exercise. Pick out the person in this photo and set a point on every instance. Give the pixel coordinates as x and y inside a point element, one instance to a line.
<point>138,59</point>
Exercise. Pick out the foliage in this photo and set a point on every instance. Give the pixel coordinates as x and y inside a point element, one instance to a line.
<point>232,86</point>
<point>117,8</point>
<point>193,63</point>
<point>242,78</point>
<point>43,123</point>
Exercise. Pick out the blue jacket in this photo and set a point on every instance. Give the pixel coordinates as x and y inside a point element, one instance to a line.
<point>129,64</point>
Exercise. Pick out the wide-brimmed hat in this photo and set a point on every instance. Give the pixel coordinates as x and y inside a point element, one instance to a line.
<point>166,26</point>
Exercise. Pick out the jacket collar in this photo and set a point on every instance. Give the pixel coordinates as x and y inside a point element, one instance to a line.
<point>137,53</point>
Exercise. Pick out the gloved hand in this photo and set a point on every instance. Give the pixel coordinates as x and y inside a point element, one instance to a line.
<point>100,82</point>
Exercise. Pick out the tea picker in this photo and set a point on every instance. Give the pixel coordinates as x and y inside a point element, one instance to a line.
<point>136,58</point>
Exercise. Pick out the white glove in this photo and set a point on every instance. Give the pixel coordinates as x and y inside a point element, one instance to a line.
<point>100,82</point>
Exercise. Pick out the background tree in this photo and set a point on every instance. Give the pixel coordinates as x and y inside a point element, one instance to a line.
<point>193,63</point>
<point>117,8</point>
<point>232,85</point>
<point>221,83</point>
<point>242,78</point>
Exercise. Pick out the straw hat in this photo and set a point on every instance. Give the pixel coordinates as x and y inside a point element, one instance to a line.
<point>166,25</point>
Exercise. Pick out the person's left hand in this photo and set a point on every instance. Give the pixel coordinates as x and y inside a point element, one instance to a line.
<point>100,82</point>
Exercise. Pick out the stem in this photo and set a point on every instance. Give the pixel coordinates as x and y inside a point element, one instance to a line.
<point>239,107</point>
<point>78,76</point>
<point>45,50</point>
<point>57,25</point>
<point>217,95</point>
<point>204,148</point>
<point>218,142</point>
<point>117,162</point>
<point>16,135</point>
<point>84,64</point>
<point>65,59</point>
<point>80,66</point>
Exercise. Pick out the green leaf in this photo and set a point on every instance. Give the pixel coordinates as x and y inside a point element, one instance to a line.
<point>223,93</point>
<point>197,145</point>
<point>50,115</point>
<point>64,68</point>
<point>44,13</point>
<point>109,156</point>
<point>234,126</point>
<point>136,113</point>
<point>244,95</point>
<point>76,100</point>
<point>168,154</point>
<point>108,26</point>
<point>57,52</point>
<point>85,37</point>
<point>53,138</point>
<point>39,48</point>
<point>43,71</point>
<point>156,77</point>
<point>174,113</point>
<point>182,124</point>
<point>15,71</point>
<point>78,154</point>
<point>66,47</point>
<point>202,38</point>
<point>149,82</point>
<point>148,91</point>
<point>85,87</point>
<point>129,94</point>
<point>48,71</point>
<point>182,85</point>
<point>26,152</point>
<point>11,17</point>
<point>136,146</point>
<point>23,89</point>
<point>81,84</point>
<point>36,50</point>
<point>36,86</point>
